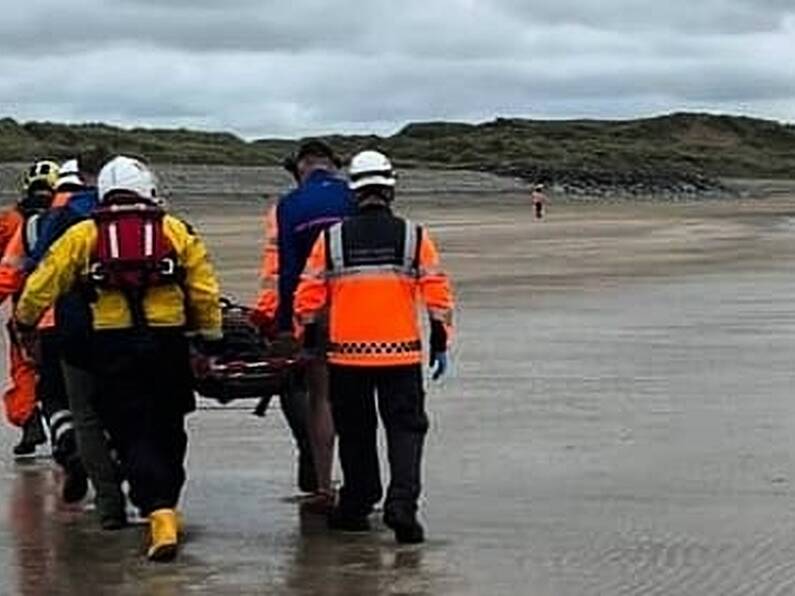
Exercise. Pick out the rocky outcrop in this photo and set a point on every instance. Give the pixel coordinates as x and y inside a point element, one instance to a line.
<point>605,183</point>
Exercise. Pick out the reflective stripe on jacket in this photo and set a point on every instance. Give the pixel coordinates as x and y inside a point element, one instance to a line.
<point>67,263</point>
<point>371,272</point>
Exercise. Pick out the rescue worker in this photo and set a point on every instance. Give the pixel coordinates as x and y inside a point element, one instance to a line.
<point>370,271</point>
<point>75,199</point>
<point>10,219</point>
<point>539,200</point>
<point>151,281</point>
<point>21,405</point>
<point>321,199</point>
<point>49,390</point>
<point>69,181</point>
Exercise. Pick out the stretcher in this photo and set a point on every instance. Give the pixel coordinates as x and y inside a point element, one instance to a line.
<point>245,365</point>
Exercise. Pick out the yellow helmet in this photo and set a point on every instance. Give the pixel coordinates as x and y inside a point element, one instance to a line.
<point>45,171</point>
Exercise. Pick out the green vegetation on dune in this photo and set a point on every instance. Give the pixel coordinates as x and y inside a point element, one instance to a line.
<point>22,142</point>
<point>698,144</point>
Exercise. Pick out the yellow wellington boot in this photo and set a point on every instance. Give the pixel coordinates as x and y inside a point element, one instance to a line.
<point>163,535</point>
<point>180,524</point>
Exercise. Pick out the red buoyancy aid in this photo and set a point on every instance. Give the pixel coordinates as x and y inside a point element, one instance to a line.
<point>132,252</point>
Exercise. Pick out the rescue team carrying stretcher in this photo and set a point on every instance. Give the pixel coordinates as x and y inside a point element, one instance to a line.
<point>105,284</point>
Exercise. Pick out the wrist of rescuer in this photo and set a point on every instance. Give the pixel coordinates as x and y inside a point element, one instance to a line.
<point>438,337</point>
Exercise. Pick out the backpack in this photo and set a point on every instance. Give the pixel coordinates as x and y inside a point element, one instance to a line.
<point>132,253</point>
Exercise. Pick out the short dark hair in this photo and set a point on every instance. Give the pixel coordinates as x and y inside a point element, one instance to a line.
<point>91,159</point>
<point>385,194</point>
<point>315,148</point>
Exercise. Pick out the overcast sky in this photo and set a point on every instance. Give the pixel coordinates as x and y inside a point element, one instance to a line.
<point>290,68</point>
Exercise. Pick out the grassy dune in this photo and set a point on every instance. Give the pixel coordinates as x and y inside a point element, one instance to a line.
<point>677,153</point>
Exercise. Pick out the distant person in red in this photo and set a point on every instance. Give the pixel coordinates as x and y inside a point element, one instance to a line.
<point>539,200</point>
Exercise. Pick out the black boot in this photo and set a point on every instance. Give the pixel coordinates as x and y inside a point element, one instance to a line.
<point>33,435</point>
<point>406,527</point>
<point>112,521</point>
<point>75,485</point>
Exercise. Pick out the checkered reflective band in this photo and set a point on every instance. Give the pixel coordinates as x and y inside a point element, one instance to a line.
<point>376,347</point>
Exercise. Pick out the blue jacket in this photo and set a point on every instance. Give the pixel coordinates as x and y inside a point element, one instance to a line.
<point>322,200</point>
<point>55,221</point>
<point>72,310</point>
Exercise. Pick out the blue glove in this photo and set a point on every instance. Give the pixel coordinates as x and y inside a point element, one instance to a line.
<point>439,363</point>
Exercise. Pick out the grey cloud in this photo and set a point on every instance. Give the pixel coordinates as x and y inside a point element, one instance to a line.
<point>205,27</point>
<point>268,67</point>
<point>453,28</point>
<point>703,16</point>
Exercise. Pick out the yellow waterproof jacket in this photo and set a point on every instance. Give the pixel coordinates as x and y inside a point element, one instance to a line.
<point>193,304</point>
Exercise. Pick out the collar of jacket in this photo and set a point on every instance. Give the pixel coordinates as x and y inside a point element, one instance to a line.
<point>375,209</point>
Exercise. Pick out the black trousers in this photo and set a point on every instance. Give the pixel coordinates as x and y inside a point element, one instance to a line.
<point>92,441</point>
<point>142,394</point>
<point>51,393</point>
<point>401,403</point>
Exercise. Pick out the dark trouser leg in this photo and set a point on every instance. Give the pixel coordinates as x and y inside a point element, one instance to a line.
<point>51,392</point>
<point>51,389</point>
<point>401,401</point>
<point>353,408</point>
<point>144,393</point>
<point>92,442</point>
<point>153,460</point>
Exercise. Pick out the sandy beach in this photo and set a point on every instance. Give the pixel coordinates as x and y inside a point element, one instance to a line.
<point>619,421</point>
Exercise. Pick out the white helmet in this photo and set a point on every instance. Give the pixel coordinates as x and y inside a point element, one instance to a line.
<point>69,174</point>
<point>371,168</point>
<point>127,174</point>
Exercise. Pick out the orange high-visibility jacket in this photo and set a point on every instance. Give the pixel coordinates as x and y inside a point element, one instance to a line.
<point>13,253</point>
<point>12,266</point>
<point>20,393</point>
<point>370,273</point>
<point>268,300</point>
<point>10,220</point>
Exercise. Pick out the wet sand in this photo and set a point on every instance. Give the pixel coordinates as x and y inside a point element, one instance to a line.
<point>619,421</point>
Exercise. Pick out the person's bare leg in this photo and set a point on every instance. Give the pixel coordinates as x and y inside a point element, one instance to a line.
<point>321,424</point>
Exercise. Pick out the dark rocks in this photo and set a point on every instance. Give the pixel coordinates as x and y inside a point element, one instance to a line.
<point>620,184</point>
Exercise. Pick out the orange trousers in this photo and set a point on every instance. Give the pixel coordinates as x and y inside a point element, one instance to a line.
<point>20,395</point>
